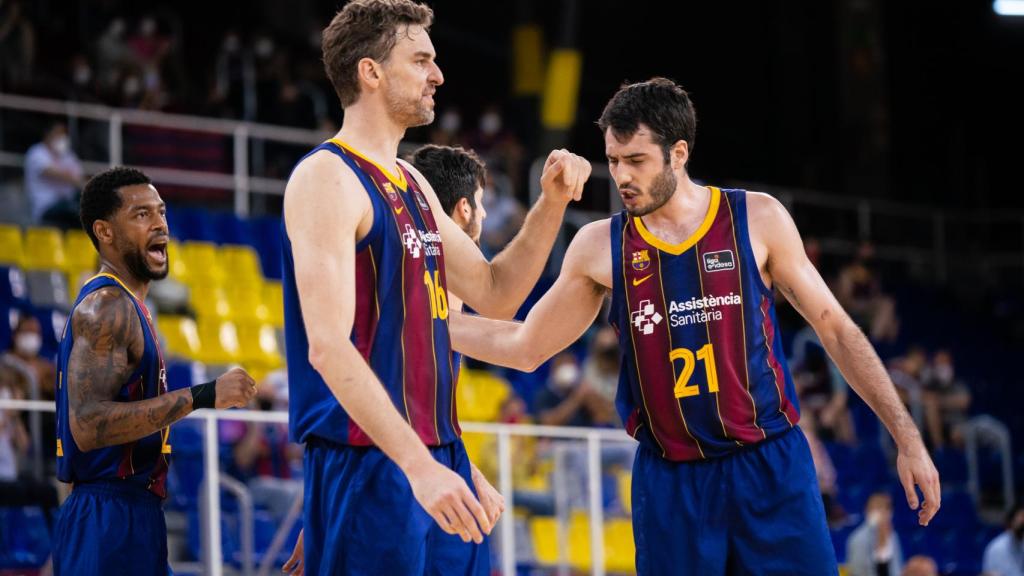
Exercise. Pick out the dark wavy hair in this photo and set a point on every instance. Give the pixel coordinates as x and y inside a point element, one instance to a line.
<point>453,173</point>
<point>101,197</point>
<point>660,104</point>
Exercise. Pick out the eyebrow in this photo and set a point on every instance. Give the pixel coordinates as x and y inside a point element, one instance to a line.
<point>138,207</point>
<point>424,54</point>
<point>629,156</point>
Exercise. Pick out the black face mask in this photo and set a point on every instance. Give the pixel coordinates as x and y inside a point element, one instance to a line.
<point>266,405</point>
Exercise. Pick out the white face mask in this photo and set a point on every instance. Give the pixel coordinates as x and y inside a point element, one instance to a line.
<point>61,145</point>
<point>490,123</point>
<point>450,122</point>
<point>28,343</point>
<point>565,376</point>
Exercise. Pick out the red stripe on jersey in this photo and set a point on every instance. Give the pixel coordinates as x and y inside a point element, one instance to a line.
<point>651,339</point>
<point>785,406</point>
<point>728,335</point>
<point>364,326</point>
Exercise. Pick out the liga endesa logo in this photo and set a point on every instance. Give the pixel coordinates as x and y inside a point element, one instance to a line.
<point>718,261</point>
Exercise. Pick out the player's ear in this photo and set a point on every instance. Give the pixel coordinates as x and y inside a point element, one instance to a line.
<point>679,154</point>
<point>463,210</point>
<point>369,72</point>
<point>104,231</point>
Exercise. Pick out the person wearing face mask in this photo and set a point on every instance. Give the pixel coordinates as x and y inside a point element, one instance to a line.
<point>26,343</point>
<point>53,175</point>
<point>873,549</point>
<point>1004,555</point>
<point>568,400</point>
<point>601,369</point>
<point>946,401</point>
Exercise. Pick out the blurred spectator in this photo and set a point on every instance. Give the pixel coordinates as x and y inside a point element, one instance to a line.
<point>860,293</point>
<point>17,44</point>
<point>505,214</point>
<point>233,93</point>
<point>946,401</point>
<point>18,489</point>
<point>53,175</point>
<point>567,400</point>
<point>908,373</point>
<point>601,367</point>
<point>821,388</point>
<point>874,547</point>
<point>921,566</point>
<point>262,456</point>
<point>447,130</point>
<point>26,341</point>
<point>824,469</point>
<point>499,147</point>
<point>1004,555</point>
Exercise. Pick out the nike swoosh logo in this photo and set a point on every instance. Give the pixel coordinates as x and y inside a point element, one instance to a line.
<point>639,281</point>
<point>399,209</point>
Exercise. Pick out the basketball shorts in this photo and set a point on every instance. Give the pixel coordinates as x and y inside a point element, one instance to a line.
<point>110,528</point>
<point>757,511</point>
<point>361,517</point>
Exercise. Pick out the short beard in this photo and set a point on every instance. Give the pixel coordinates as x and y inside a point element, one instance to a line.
<point>406,113</point>
<point>135,261</point>
<point>662,189</point>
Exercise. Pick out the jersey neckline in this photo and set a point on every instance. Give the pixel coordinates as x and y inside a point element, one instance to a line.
<point>399,180</point>
<point>677,249</point>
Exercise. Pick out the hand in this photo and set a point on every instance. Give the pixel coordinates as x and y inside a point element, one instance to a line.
<point>447,498</point>
<point>234,389</point>
<point>564,175</point>
<point>294,565</point>
<point>914,466</point>
<point>492,500</point>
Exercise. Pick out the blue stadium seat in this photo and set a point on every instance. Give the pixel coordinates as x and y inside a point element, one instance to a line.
<point>952,466</point>
<point>231,229</point>
<point>265,234</point>
<point>52,321</point>
<point>194,224</point>
<point>13,287</point>
<point>24,538</point>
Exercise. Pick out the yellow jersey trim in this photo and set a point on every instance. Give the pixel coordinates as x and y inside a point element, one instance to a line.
<point>677,249</point>
<point>115,279</point>
<point>399,180</point>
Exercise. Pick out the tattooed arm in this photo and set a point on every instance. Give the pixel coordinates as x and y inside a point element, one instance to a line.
<point>107,347</point>
<point>793,274</point>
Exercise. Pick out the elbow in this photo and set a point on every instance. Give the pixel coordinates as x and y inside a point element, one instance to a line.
<point>319,355</point>
<point>530,360</point>
<point>85,441</point>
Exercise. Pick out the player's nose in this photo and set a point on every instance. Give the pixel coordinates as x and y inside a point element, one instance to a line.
<point>436,76</point>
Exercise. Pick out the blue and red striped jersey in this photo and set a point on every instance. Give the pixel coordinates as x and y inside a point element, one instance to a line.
<point>143,461</point>
<point>703,372</point>
<point>401,317</point>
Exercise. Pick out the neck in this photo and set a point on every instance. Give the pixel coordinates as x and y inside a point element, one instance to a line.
<point>688,200</point>
<point>368,128</point>
<point>138,287</point>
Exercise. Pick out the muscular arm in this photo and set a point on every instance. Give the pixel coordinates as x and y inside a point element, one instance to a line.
<point>794,275</point>
<point>106,327</point>
<point>497,288</point>
<point>561,316</point>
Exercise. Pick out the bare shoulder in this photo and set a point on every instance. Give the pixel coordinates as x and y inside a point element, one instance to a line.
<point>765,208</point>
<point>589,252</point>
<point>106,319</point>
<point>324,186</point>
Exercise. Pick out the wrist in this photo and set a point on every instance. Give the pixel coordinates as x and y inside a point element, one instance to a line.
<point>204,395</point>
<point>551,201</point>
<point>415,463</point>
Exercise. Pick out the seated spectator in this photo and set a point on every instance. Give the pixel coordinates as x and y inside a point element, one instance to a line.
<point>1004,555</point>
<point>16,488</point>
<point>568,400</point>
<point>26,341</point>
<point>921,566</point>
<point>946,401</point>
<point>601,367</point>
<point>53,176</point>
<point>262,456</point>
<point>874,547</point>
<point>821,388</point>
<point>823,469</point>
<point>860,293</point>
<point>908,373</point>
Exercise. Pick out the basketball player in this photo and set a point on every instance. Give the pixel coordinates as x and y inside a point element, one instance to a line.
<point>388,488</point>
<point>458,177</point>
<point>723,481</point>
<point>113,407</point>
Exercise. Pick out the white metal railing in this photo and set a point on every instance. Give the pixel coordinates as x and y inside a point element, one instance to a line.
<point>212,481</point>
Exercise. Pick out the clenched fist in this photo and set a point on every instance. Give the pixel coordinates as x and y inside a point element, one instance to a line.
<point>564,175</point>
<point>234,389</point>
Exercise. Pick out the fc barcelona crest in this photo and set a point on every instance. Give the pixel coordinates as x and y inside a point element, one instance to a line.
<point>421,200</point>
<point>641,260</point>
<point>392,195</point>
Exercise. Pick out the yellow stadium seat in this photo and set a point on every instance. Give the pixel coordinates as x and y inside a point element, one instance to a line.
<point>177,265</point>
<point>203,261</point>
<point>79,253</point>
<point>480,394</point>
<point>181,335</point>
<point>246,301</point>
<point>12,248</point>
<point>625,481</point>
<point>209,301</point>
<point>619,550</point>
<point>44,249</point>
<point>544,531</point>
<point>258,347</point>
<point>219,341</point>
<point>579,541</point>
<point>241,264</point>
<point>273,298</point>
<point>476,443</point>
